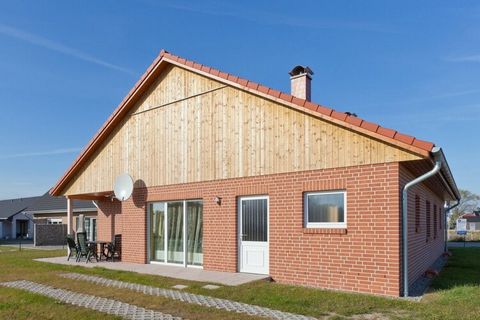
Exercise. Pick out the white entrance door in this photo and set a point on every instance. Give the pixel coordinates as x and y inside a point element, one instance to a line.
<point>253,234</point>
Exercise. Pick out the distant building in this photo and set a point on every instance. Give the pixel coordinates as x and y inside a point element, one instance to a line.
<point>53,210</point>
<point>14,221</point>
<point>473,220</point>
<point>17,216</point>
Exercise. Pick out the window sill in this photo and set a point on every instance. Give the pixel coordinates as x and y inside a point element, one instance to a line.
<point>325,230</point>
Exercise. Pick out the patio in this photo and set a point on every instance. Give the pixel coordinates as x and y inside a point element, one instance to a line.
<point>192,274</point>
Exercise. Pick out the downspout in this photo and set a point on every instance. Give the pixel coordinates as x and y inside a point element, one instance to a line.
<point>447,210</point>
<point>436,151</point>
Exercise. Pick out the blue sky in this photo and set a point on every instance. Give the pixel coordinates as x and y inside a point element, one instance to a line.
<point>409,65</point>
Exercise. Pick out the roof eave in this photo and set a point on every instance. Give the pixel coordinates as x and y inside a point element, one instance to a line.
<point>447,177</point>
<point>60,211</point>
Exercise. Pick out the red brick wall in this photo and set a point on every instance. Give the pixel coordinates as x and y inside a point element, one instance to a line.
<point>363,258</point>
<point>422,251</point>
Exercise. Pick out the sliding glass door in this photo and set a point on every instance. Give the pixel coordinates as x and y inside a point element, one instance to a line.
<point>194,233</point>
<point>89,226</point>
<point>176,232</point>
<point>157,231</point>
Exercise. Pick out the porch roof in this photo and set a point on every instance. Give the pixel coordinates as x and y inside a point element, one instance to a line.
<point>48,204</point>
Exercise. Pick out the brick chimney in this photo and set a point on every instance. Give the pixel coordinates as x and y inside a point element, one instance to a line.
<point>300,79</point>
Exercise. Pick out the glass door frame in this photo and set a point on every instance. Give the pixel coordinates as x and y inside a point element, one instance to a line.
<point>165,224</point>
<point>240,199</point>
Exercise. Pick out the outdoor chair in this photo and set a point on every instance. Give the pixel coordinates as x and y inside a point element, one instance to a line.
<point>114,248</point>
<point>86,250</point>
<point>73,247</point>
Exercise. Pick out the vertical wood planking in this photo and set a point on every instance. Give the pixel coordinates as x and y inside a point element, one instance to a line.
<point>220,134</point>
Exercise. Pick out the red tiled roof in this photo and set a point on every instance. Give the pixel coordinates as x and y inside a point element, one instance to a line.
<point>327,113</point>
<point>389,133</point>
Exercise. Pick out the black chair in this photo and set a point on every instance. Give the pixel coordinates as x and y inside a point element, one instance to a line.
<point>72,246</point>
<point>86,250</point>
<point>114,249</point>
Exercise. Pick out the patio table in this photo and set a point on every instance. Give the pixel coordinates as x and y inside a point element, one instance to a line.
<point>99,244</point>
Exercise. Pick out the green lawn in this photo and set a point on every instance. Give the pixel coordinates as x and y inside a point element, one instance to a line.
<point>455,294</point>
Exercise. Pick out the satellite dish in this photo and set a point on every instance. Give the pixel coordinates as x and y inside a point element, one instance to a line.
<point>123,187</point>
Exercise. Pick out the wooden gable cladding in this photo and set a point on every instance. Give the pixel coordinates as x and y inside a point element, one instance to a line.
<point>189,128</point>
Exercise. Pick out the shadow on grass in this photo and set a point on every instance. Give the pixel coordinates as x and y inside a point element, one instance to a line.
<point>462,269</point>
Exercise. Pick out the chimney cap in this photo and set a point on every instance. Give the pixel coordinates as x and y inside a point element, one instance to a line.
<point>298,70</point>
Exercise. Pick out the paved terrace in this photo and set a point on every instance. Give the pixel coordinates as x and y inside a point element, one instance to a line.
<point>193,274</point>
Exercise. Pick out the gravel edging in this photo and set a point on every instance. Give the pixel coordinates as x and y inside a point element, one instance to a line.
<point>421,285</point>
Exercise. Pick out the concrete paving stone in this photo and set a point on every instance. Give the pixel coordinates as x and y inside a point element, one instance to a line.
<point>110,306</point>
<point>178,286</point>
<point>183,296</point>
<point>210,287</point>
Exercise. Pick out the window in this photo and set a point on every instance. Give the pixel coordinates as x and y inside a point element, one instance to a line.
<point>440,214</point>
<point>435,220</point>
<point>417,213</point>
<point>325,209</point>
<point>428,220</point>
<point>54,221</point>
<point>89,226</point>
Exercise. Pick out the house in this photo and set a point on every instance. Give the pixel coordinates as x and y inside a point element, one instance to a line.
<point>53,210</point>
<point>231,175</point>
<point>14,221</point>
<point>473,220</point>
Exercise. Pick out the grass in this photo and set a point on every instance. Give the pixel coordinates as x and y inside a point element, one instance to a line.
<point>454,295</point>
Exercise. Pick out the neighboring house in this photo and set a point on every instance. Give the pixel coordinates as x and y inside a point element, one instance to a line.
<point>14,221</point>
<point>53,210</point>
<point>234,176</point>
<point>473,221</point>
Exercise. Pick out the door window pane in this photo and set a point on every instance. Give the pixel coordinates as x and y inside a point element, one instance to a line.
<point>175,232</point>
<point>254,220</point>
<point>157,234</point>
<point>194,232</point>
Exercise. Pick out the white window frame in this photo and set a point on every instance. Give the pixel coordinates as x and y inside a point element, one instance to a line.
<point>326,225</point>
